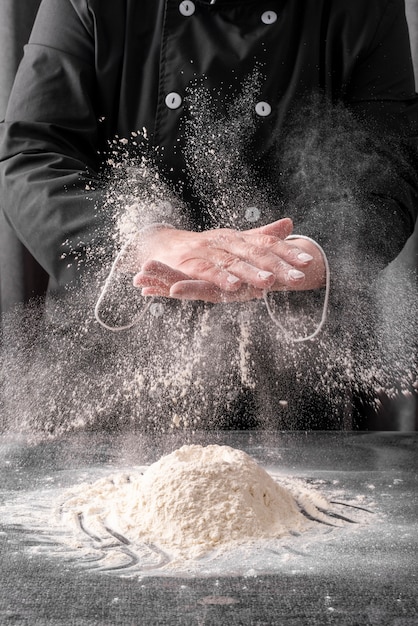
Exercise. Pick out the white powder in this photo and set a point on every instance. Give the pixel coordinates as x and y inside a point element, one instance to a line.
<point>192,501</point>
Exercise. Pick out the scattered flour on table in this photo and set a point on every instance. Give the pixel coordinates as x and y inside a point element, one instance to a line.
<point>191,501</point>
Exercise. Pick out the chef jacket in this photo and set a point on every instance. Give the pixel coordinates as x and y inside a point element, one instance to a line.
<point>96,69</point>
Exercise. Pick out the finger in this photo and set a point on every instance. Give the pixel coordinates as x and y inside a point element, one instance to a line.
<point>260,244</point>
<point>166,272</point>
<point>289,251</point>
<point>205,268</point>
<point>196,290</point>
<point>207,292</point>
<point>252,245</point>
<point>142,281</point>
<point>156,291</point>
<point>280,228</point>
<point>253,263</point>
<point>155,272</point>
<point>223,264</point>
<point>195,268</point>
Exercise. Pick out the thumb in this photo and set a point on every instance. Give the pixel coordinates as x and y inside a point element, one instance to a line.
<point>281,228</point>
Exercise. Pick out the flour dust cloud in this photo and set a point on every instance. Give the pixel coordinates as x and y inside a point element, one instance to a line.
<point>194,365</point>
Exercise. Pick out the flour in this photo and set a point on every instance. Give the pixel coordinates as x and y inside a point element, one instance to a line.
<point>189,365</point>
<point>190,502</point>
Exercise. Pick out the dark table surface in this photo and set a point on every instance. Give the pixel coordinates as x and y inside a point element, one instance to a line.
<point>365,573</point>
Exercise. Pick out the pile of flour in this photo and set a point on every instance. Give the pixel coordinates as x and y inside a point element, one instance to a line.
<point>191,501</point>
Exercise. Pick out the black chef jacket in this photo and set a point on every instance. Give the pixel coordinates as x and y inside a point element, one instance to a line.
<point>94,69</point>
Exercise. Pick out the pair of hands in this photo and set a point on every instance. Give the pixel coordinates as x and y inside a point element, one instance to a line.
<point>224,265</point>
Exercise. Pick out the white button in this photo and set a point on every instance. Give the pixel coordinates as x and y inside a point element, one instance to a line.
<point>252,214</point>
<point>156,309</point>
<point>269,17</point>
<point>263,109</point>
<point>187,8</point>
<point>173,100</point>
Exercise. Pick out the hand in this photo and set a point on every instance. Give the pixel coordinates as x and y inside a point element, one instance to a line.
<point>225,265</point>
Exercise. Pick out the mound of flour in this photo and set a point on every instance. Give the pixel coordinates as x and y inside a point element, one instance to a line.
<point>191,501</point>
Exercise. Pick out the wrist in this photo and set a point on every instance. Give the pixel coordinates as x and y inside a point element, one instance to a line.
<point>136,251</point>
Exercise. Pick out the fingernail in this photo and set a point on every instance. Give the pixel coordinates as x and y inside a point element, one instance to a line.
<point>264,275</point>
<point>232,279</point>
<point>305,257</point>
<point>296,274</point>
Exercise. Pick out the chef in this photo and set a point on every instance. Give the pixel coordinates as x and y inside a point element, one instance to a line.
<point>96,70</point>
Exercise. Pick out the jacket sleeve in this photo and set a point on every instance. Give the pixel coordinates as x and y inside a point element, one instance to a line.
<point>369,171</point>
<point>382,94</point>
<point>48,142</point>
